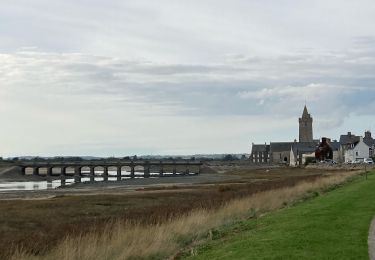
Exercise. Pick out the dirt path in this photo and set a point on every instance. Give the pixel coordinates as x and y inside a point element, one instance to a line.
<point>371,240</point>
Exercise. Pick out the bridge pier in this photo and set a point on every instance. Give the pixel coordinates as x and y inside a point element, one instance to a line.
<point>174,169</point>
<point>92,174</point>
<point>36,171</point>
<point>49,172</point>
<point>119,173</point>
<point>161,171</point>
<point>63,171</point>
<point>105,174</point>
<point>146,170</point>
<point>77,175</point>
<point>132,172</point>
<point>77,178</point>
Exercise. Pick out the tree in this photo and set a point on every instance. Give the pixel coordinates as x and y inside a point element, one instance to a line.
<point>229,157</point>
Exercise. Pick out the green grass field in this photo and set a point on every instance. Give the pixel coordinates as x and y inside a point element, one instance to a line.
<point>331,226</point>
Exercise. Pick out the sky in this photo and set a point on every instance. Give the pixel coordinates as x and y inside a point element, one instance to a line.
<point>118,78</point>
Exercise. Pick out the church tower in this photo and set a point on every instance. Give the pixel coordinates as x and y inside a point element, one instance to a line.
<point>305,127</point>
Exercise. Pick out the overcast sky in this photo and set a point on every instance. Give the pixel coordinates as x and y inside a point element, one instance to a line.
<point>91,77</point>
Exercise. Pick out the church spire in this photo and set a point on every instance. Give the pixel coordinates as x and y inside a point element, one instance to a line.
<point>305,113</point>
<point>305,127</point>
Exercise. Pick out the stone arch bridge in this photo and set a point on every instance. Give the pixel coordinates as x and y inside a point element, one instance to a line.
<point>92,169</point>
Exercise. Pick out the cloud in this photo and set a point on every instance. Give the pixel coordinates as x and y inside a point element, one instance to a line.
<point>132,71</point>
<point>54,86</point>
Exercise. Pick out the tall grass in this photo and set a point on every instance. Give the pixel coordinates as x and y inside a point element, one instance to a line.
<point>124,240</point>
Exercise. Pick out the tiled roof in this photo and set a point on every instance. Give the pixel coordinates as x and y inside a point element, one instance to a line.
<point>281,146</point>
<point>304,147</point>
<point>349,139</point>
<point>369,141</point>
<point>260,148</point>
<point>335,146</point>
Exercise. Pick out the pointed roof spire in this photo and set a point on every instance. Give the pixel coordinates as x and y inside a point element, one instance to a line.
<point>305,112</point>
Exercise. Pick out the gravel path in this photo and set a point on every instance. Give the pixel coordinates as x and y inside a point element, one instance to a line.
<point>371,240</point>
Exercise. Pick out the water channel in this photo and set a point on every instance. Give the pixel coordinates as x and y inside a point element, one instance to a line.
<point>46,185</point>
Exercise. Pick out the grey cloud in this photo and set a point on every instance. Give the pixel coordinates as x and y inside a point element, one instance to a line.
<point>194,89</point>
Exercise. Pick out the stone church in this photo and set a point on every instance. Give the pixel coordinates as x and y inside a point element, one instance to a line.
<point>281,152</point>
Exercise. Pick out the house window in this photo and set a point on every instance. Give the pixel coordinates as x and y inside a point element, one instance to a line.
<point>356,153</point>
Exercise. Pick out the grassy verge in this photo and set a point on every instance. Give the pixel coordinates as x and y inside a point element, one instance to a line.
<point>123,240</point>
<point>332,226</point>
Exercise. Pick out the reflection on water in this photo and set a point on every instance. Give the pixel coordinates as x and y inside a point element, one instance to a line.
<point>32,185</point>
<point>44,185</point>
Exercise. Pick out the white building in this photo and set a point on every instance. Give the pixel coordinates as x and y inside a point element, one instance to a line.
<point>357,151</point>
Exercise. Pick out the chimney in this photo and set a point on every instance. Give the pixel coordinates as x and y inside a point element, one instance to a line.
<point>350,134</point>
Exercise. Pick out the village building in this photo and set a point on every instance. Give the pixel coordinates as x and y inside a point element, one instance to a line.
<point>299,152</point>
<point>356,148</point>
<point>281,152</point>
<point>260,153</point>
<point>336,150</point>
<point>349,148</point>
<point>357,152</point>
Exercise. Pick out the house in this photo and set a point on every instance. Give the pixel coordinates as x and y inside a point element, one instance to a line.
<point>354,147</point>
<point>260,153</point>
<point>370,142</point>
<point>336,150</point>
<point>357,151</point>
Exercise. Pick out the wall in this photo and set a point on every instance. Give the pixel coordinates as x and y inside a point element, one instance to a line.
<point>361,148</point>
<point>277,155</point>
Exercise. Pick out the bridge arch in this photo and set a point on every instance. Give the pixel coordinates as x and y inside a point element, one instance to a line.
<point>139,170</point>
<point>57,170</point>
<point>112,171</point>
<point>99,170</point>
<point>84,170</point>
<point>42,171</point>
<point>70,170</point>
<point>29,170</point>
<point>126,170</point>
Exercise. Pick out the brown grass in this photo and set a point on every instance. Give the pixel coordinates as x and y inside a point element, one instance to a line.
<point>123,240</point>
<point>38,226</point>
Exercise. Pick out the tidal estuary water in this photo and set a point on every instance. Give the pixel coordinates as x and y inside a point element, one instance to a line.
<point>43,184</point>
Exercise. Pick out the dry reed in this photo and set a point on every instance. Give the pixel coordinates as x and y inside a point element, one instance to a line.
<point>123,240</point>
